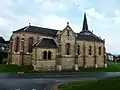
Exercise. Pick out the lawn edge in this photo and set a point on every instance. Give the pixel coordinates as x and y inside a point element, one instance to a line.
<point>55,87</point>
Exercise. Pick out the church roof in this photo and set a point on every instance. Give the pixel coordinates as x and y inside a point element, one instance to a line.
<point>89,36</point>
<point>46,42</point>
<point>85,34</point>
<point>41,30</point>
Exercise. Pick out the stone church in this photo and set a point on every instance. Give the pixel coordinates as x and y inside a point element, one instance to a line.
<point>50,49</point>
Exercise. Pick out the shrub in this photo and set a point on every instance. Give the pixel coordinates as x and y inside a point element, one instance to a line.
<point>4,54</point>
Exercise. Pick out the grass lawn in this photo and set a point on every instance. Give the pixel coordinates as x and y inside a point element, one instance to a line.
<point>103,84</point>
<point>112,67</point>
<point>14,68</point>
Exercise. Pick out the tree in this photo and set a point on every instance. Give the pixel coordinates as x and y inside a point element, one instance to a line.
<point>1,59</point>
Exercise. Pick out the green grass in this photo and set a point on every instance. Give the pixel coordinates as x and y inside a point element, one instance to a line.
<point>112,67</point>
<point>15,68</point>
<point>103,84</point>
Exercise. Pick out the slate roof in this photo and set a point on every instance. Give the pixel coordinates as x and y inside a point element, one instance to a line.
<point>46,42</point>
<point>89,36</point>
<point>85,34</point>
<point>41,30</point>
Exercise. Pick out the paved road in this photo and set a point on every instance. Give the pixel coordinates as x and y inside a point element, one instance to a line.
<point>45,82</point>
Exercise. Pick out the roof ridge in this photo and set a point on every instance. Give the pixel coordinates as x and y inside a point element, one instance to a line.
<point>36,29</point>
<point>26,28</point>
<point>44,28</point>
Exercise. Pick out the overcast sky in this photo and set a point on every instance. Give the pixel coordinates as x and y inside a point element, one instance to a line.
<point>103,17</point>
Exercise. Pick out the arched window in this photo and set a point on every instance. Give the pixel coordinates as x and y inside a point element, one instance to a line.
<point>45,55</point>
<point>30,44</point>
<point>22,44</point>
<point>99,51</point>
<point>78,49</point>
<point>49,54</point>
<point>68,33</point>
<point>68,49</point>
<point>17,43</point>
<point>90,50</point>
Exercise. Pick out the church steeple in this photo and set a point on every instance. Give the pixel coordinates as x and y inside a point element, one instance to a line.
<point>85,25</point>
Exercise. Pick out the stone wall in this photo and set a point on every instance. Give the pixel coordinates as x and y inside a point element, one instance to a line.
<point>26,55</point>
<point>39,63</point>
<point>80,61</point>
<point>81,44</point>
<point>90,62</point>
<point>100,62</point>
<point>45,65</point>
<point>67,63</point>
<point>100,58</point>
<point>67,39</point>
<point>27,59</point>
<point>90,59</point>
<point>15,59</point>
<point>27,35</point>
<point>40,53</point>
